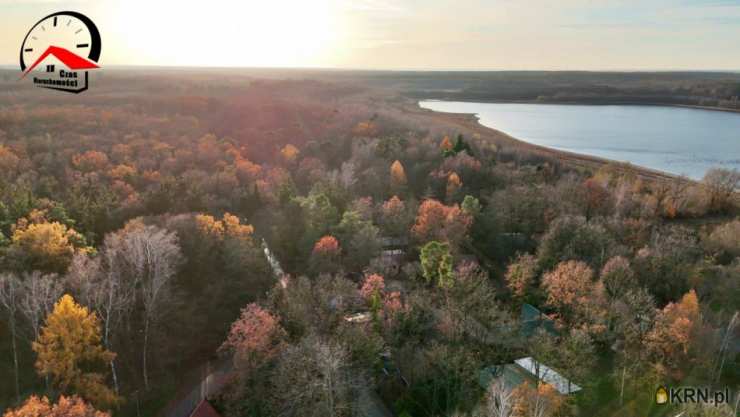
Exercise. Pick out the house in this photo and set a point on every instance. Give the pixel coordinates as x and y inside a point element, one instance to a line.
<point>393,253</point>
<point>205,409</point>
<point>526,370</point>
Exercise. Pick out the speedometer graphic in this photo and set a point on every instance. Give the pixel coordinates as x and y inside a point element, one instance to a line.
<point>68,43</point>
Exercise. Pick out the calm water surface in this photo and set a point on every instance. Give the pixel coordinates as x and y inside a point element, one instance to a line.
<point>672,139</point>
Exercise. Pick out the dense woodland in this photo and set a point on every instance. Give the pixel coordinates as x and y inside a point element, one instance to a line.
<point>134,218</point>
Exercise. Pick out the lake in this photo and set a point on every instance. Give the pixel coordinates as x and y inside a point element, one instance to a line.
<point>672,139</point>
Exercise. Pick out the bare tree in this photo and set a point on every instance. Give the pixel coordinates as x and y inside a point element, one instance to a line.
<point>150,256</point>
<point>499,400</point>
<point>314,380</point>
<point>721,184</point>
<point>100,285</point>
<point>40,292</point>
<point>10,294</point>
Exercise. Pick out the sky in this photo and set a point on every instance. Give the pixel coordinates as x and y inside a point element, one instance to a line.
<point>401,34</point>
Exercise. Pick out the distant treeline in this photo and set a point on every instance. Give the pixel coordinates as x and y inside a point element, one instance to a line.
<point>719,90</point>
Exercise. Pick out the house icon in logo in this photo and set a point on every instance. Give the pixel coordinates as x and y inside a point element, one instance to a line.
<point>62,70</point>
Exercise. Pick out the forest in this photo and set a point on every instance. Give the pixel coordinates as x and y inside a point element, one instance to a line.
<point>406,254</point>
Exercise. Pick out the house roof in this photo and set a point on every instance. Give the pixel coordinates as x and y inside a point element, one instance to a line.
<point>205,409</point>
<point>548,375</point>
<point>532,319</point>
<point>523,370</point>
<point>70,59</point>
<point>511,375</point>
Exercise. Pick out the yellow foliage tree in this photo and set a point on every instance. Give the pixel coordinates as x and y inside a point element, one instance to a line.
<point>46,246</point>
<point>229,227</point>
<point>446,144</point>
<point>398,176</point>
<point>65,407</point>
<point>68,350</point>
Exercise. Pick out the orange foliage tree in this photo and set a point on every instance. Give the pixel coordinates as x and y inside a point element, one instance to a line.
<point>571,290</point>
<point>454,183</point>
<point>326,254</point>
<point>289,153</point>
<point>540,401</point>
<point>436,221</point>
<point>254,337</point>
<point>398,176</point>
<point>90,161</point>
<point>446,144</point>
<point>373,286</point>
<point>66,407</point>
<point>671,340</point>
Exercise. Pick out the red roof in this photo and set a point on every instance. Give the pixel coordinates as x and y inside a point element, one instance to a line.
<point>205,409</point>
<point>70,59</point>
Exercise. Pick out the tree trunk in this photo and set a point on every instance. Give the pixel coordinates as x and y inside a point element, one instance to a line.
<point>15,361</point>
<point>621,390</point>
<point>146,342</point>
<point>114,375</point>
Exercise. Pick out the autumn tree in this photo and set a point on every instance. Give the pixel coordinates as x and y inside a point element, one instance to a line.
<point>597,199</point>
<point>436,221</point>
<point>454,184</point>
<point>521,275</point>
<point>289,153</point>
<point>672,340</point>
<point>326,254</point>
<point>570,289</point>
<point>255,337</point>
<point>395,217</point>
<point>446,145</point>
<point>398,177</point>
<point>68,349</point>
<point>617,276</point>
<point>65,407</point>
<point>45,246</point>
<point>373,290</point>
<point>541,400</point>
<point>436,264</point>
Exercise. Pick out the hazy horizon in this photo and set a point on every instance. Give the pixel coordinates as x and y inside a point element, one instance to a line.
<point>438,35</point>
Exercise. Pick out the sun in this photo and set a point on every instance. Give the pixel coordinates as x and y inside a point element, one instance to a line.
<point>226,33</point>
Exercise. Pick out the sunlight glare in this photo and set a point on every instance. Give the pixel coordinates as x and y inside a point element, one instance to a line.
<point>228,33</point>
